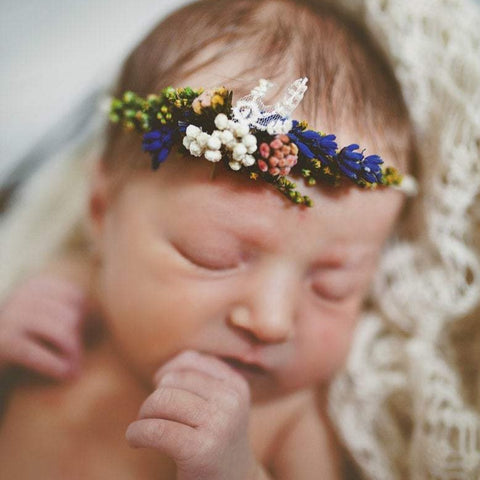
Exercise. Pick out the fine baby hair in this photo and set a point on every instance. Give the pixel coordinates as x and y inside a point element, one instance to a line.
<point>347,79</point>
<point>403,77</point>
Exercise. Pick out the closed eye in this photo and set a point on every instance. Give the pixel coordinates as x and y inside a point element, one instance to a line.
<point>208,258</point>
<point>336,285</point>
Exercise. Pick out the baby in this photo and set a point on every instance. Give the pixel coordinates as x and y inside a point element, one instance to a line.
<point>222,309</point>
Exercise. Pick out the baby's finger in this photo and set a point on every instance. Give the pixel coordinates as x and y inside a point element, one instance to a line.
<point>192,360</point>
<point>58,310</point>
<point>42,360</point>
<point>55,287</point>
<point>72,292</point>
<point>63,336</point>
<point>174,439</point>
<point>193,381</point>
<point>174,404</point>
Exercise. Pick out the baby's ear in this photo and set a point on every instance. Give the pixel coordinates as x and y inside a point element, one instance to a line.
<point>99,197</point>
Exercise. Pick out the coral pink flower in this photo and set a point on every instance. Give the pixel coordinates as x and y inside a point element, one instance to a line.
<point>281,155</point>
<point>262,165</point>
<point>273,161</point>
<point>264,150</point>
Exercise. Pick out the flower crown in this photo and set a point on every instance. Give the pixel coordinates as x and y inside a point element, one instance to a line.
<point>250,137</point>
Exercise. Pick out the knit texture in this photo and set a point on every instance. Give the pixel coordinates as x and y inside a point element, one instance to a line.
<point>408,403</point>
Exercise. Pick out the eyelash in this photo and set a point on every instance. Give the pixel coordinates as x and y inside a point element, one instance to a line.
<point>204,265</point>
<point>325,294</point>
<point>329,296</point>
<point>322,293</point>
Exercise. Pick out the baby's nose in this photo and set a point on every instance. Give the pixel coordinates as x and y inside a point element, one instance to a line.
<point>267,312</point>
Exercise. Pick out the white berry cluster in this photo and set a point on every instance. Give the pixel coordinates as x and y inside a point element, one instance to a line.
<point>201,143</point>
<point>233,136</point>
<point>279,126</point>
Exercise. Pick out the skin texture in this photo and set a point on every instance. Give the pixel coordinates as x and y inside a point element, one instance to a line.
<point>198,415</point>
<point>226,310</point>
<point>242,272</point>
<point>265,293</point>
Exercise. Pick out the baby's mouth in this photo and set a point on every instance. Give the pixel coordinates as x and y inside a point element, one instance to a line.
<point>250,369</point>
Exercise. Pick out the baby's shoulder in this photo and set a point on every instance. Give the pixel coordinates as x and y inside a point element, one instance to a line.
<point>37,424</point>
<point>72,429</point>
<point>37,404</point>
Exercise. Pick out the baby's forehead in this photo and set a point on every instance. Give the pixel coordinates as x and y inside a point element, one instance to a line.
<point>226,203</point>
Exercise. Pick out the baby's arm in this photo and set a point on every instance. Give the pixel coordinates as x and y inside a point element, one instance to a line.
<point>40,321</point>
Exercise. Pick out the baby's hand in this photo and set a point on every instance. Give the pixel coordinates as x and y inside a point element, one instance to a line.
<point>198,416</point>
<point>40,327</point>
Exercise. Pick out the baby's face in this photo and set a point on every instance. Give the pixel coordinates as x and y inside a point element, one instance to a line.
<point>230,268</point>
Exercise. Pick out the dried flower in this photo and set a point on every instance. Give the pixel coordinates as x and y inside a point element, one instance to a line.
<point>357,167</point>
<point>205,123</point>
<point>237,140</point>
<point>279,156</point>
<point>313,145</point>
<point>213,99</point>
<point>391,176</point>
<point>199,143</point>
<point>276,127</point>
<point>158,143</point>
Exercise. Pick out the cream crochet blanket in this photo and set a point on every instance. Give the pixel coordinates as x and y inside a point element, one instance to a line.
<point>407,405</point>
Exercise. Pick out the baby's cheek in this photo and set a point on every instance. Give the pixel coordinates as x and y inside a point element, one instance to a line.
<point>328,345</point>
<point>149,314</point>
<point>336,340</point>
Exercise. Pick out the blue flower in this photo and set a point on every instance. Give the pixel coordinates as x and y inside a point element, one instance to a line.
<point>312,144</point>
<point>357,167</point>
<point>159,143</point>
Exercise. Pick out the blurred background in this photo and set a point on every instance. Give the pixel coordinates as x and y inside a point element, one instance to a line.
<point>55,56</point>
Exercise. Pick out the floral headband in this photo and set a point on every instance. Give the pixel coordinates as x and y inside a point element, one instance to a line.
<point>250,137</point>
